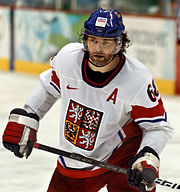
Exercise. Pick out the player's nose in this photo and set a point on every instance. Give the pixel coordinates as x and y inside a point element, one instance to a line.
<point>98,47</point>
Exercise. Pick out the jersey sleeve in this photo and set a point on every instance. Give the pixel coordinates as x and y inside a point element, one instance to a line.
<point>45,94</point>
<point>147,108</point>
<point>51,82</point>
<point>148,111</point>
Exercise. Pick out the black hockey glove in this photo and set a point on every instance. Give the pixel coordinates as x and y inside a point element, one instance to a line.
<point>143,170</point>
<point>20,133</point>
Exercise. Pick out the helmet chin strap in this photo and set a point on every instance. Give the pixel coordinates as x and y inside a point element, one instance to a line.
<point>104,63</point>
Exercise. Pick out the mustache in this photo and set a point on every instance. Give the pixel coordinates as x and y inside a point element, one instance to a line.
<point>98,54</point>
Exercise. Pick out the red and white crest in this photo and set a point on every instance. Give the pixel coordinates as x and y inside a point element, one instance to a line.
<point>82,125</point>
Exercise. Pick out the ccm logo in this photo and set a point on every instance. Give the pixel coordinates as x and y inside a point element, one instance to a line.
<point>167,183</point>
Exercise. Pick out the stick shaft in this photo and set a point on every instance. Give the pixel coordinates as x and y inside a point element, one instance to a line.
<point>80,158</point>
<point>99,163</point>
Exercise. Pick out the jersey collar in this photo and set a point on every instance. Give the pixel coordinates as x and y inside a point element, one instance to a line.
<point>108,79</point>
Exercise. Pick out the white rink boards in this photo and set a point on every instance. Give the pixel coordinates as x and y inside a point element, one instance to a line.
<point>34,174</point>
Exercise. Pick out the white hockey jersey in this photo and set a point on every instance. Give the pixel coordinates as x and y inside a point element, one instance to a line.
<point>93,115</point>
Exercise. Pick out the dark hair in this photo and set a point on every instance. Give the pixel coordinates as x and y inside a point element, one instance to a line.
<point>124,39</point>
<point>125,42</point>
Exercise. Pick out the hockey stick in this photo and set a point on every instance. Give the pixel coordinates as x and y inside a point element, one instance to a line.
<point>99,163</point>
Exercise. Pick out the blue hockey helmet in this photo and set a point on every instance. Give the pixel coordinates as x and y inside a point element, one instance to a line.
<point>104,23</point>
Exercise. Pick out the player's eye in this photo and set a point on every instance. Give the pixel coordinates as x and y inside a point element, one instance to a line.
<point>93,40</point>
<point>106,43</point>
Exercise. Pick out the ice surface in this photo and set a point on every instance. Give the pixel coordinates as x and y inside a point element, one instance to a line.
<point>34,174</point>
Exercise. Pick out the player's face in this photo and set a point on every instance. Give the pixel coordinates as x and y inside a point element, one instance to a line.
<point>101,50</point>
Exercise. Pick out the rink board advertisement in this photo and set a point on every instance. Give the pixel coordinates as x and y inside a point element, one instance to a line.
<point>154,44</point>
<point>4,38</point>
<point>41,35</point>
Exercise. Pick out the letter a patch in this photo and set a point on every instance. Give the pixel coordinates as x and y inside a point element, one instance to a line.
<point>113,96</point>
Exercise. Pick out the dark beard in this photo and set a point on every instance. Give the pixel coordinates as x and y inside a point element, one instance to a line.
<point>103,63</point>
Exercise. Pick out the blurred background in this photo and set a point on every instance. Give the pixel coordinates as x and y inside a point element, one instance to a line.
<point>158,7</point>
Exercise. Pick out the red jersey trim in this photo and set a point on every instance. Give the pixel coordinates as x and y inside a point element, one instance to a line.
<point>55,81</point>
<point>143,112</point>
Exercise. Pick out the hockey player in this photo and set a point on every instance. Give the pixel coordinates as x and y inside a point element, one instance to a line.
<point>111,111</point>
